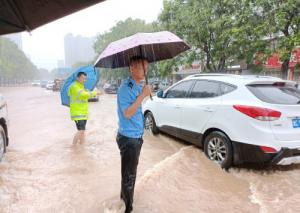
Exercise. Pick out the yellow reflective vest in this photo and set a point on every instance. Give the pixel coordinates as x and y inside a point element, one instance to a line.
<point>79,101</point>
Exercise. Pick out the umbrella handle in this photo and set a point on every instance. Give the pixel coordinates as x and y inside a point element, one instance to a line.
<point>148,84</point>
<point>146,79</point>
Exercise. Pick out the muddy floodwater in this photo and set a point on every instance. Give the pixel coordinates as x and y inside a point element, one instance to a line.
<point>43,172</point>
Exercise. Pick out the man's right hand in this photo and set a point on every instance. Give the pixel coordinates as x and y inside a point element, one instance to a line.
<point>131,110</point>
<point>146,91</point>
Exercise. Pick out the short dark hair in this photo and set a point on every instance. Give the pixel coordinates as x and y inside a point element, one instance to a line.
<point>80,74</point>
<point>137,58</point>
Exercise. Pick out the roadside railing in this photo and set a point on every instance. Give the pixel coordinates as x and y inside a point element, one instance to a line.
<point>14,83</point>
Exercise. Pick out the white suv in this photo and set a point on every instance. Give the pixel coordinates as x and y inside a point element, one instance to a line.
<point>3,126</point>
<point>236,119</point>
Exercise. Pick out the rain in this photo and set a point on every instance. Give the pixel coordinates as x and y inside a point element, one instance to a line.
<point>178,171</point>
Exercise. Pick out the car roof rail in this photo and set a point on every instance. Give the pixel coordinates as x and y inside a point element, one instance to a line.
<point>232,75</point>
<point>210,74</point>
<point>261,76</point>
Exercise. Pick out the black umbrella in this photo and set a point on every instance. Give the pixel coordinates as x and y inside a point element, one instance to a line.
<point>21,15</point>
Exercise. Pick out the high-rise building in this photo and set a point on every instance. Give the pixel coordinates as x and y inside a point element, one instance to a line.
<point>16,38</point>
<point>78,49</point>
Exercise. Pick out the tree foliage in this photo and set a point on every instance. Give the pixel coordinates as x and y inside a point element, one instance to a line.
<point>205,25</point>
<point>222,31</point>
<point>13,62</point>
<point>280,20</point>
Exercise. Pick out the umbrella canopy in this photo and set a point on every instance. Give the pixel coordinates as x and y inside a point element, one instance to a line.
<point>20,15</point>
<point>93,77</point>
<point>154,46</point>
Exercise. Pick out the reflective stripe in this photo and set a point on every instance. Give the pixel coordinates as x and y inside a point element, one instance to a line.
<point>79,116</point>
<point>91,94</point>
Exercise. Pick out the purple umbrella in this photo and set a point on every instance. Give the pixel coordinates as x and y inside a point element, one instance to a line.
<point>154,46</point>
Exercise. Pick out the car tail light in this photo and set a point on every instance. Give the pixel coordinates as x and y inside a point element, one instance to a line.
<point>262,114</point>
<point>267,149</point>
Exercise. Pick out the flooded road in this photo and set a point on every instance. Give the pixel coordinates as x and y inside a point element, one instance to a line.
<point>43,172</point>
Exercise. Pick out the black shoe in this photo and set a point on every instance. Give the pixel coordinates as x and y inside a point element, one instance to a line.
<point>128,209</point>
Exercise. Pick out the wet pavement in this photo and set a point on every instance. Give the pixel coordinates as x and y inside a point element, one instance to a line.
<point>43,172</point>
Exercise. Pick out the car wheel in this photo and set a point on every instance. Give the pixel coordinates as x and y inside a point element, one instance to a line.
<point>218,148</point>
<point>2,142</point>
<point>150,124</point>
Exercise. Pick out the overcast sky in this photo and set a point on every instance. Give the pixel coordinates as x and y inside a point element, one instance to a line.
<point>45,45</point>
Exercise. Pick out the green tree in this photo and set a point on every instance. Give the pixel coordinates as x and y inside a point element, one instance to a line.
<point>280,20</point>
<point>13,62</point>
<point>221,31</point>
<point>166,68</point>
<point>206,25</point>
<point>265,27</point>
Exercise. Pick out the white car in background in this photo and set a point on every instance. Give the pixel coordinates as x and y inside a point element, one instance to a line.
<point>50,85</point>
<point>36,83</point>
<point>3,126</point>
<point>236,119</point>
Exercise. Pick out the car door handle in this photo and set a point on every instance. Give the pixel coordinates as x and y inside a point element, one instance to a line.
<point>177,106</point>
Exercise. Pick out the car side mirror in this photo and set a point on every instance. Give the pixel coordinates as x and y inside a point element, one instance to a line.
<point>160,94</point>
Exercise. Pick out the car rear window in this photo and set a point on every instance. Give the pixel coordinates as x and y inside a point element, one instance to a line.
<point>276,94</point>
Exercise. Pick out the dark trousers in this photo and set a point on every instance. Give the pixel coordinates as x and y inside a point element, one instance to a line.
<point>130,152</point>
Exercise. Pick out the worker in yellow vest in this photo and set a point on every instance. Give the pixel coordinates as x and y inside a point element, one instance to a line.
<point>79,105</point>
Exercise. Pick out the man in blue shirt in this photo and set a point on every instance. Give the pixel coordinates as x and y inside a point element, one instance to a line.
<point>131,126</point>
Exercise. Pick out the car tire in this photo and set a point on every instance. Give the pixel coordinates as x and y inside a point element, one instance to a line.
<point>149,123</point>
<point>218,148</point>
<point>2,142</point>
